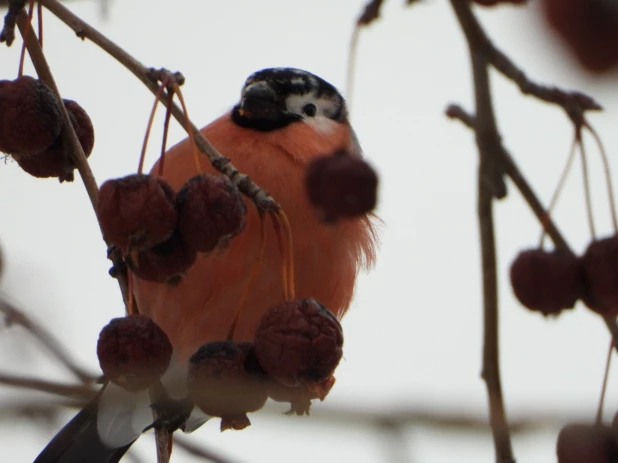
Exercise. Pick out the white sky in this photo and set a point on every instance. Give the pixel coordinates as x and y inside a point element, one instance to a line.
<point>413,336</point>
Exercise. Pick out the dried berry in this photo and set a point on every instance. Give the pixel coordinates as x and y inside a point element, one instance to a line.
<point>137,212</point>
<point>341,186</point>
<point>600,265</point>
<point>548,282</point>
<point>133,352</point>
<point>30,116</point>
<point>225,380</point>
<point>164,263</point>
<point>210,210</point>
<point>55,161</point>
<point>589,28</point>
<point>582,443</point>
<point>299,397</point>
<point>299,343</point>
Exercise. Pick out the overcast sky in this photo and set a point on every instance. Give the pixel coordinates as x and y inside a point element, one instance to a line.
<point>413,335</point>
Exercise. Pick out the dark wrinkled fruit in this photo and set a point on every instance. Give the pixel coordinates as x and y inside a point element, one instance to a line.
<point>55,161</point>
<point>299,397</point>
<point>589,28</point>
<point>341,186</point>
<point>210,210</point>
<point>137,212</point>
<point>30,116</point>
<point>164,263</point>
<point>548,282</point>
<point>133,352</point>
<point>299,343</point>
<point>582,443</point>
<point>225,380</point>
<point>600,265</point>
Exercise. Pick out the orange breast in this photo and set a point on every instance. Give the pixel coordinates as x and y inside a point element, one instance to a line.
<point>327,258</point>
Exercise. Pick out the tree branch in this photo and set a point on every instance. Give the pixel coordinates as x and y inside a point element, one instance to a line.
<point>14,316</point>
<point>149,77</point>
<point>51,387</point>
<point>69,137</point>
<point>490,185</point>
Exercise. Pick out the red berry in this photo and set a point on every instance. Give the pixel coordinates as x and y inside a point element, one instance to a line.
<point>225,380</point>
<point>137,212</point>
<point>341,186</point>
<point>299,343</point>
<point>582,443</point>
<point>600,265</point>
<point>164,263</point>
<point>589,28</point>
<point>55,161</point>
<point>133,352</point>
<point>547,282</point>
<point>30,116</point>
<point>211,210</point>
<point>299,397</point>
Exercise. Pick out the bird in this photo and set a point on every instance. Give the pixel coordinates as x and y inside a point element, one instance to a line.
<point>284,119</point>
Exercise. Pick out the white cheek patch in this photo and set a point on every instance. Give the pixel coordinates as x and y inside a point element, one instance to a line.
<point>321,124</point>
<point>324,107</point>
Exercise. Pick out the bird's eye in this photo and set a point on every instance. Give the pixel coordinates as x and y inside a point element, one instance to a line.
<point>309,109</point>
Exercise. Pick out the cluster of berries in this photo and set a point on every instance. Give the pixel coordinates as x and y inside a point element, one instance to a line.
<point>160,231</point>
<point>549,282</point>
<point>30,125</point>
<point>292,358</point>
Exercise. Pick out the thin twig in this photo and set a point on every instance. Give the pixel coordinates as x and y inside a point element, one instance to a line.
<point>150,78</point>
<point>14,316</point>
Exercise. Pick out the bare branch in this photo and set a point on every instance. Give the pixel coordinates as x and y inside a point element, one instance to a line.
<point>52,387</point>
<point>14,316</point>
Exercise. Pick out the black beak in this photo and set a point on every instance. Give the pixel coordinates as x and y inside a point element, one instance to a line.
<point>260,102</point>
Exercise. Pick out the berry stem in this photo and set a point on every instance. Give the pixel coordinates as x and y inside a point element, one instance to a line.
<point>22,55</point>
<point>586,179</point>
<point>140,165</point>
<point>352,54</point>
<point>608,361</point>
<point>291,274</point>
<point>608,175</point>
<point>252,277</point>
<point>284,256</point>
<point>558,190</point>
<point>166,130</point>
<point>196,152</point>
<point>39,15</point>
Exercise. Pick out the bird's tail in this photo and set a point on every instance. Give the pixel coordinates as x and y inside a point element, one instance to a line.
<point>79,441</point>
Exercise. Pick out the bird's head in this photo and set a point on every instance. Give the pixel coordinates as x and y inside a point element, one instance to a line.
<point>275,98</point>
